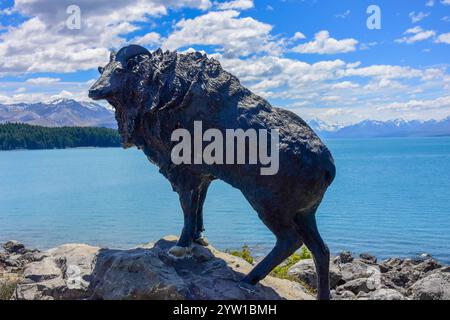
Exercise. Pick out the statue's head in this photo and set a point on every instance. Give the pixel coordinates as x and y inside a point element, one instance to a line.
<point>117,75</point>
<point>118,84</point>
<point>136,81</point>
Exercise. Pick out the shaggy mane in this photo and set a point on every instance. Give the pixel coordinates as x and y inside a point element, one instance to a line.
<point>175,74</point>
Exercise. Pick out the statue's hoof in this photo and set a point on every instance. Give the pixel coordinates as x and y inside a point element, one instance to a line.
<point>179,252</point>
<point>202,241</point>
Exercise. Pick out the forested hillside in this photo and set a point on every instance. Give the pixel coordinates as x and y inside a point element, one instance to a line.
<point>23,136</point>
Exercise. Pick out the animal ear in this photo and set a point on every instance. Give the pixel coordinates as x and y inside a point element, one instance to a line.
<point>112,56</point>
<point>101,69</point>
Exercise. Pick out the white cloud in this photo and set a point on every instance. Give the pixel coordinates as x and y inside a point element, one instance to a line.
<point>298,36</point>
<point>42,81</point>
<point>443,38</point>
<point>43,43</point>
<point>42,90</point>
<point>336,90</point>
<point>417,17</point>
<point>416,34</point>
<point>430,3</point>
<point>235,36</point>
<point>446,2</point>
<point>441,102</point>
<point>149,39</point>
<point>323,44</point>
<point>316,90</point>
<point>345,85</point>
<point>343,15</point>
<point>331,98</point>
<point>7,11</point>
<point>236,4</point>
<point>383,84</point>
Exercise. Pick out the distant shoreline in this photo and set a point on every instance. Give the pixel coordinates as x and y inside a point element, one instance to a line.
<point>323,138</point>
<point>19,136</point>
<point>69,148</point>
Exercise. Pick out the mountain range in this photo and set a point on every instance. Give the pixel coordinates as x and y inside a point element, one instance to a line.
<point>379,129</point>
<point>69,112</point>
<point>58,113</point>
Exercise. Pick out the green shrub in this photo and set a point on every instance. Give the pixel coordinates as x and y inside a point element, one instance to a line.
<point>7,289</point>
<point>281,271</point>
<point>8,284</point>
<point>305,253</point>
<point>244,254</point>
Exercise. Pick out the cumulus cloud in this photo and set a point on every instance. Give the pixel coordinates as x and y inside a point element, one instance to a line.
<point>324,44</point>
<point>43,43</point>
<point>236,4</point>
<point>298,36</point>
<point>443,38</point>
<point>42,89</point>
<point>416,34</point>
<point>150,39</point>
<point>307,87</point>
<point>233,35</point>
<point>441,102</point>
<point>330,89</point>
<point>42,81</point>
<point>417,17</point>
<point>345,85</point>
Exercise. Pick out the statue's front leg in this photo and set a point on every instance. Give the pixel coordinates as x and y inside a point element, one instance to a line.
<point>189,201</point>
<point>198,237</point>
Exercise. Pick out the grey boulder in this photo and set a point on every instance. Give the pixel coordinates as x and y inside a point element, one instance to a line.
<point>13,247</point>
<point>435,286</point>
<point>82,272</point>
<point>305,272</point>
<point>386,294</point>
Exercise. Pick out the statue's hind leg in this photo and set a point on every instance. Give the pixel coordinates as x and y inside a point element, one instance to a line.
<point>307,228</point>
<point>288,241</point>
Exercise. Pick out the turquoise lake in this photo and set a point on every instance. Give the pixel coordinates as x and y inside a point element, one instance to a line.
<point>391,197</point>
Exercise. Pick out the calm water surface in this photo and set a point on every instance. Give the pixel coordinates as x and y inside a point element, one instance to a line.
<point>391,197</point>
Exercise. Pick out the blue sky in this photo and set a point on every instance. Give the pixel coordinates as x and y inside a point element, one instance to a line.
<point>314,57</point>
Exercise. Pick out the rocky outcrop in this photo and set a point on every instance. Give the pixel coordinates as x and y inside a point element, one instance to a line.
<point>78,271</point>
<point>13,258</point>
<point>393,279</point>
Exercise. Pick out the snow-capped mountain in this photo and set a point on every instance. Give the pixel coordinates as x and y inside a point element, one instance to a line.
<point>322,126</point>
<point>68,112</point>
<point>391,128</point>
<point>57,113</point>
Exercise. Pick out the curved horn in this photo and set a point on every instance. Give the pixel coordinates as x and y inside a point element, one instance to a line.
<point>130,51</point>
<point>112,56</point>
